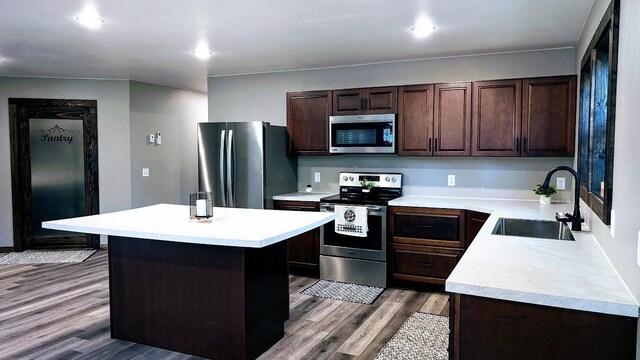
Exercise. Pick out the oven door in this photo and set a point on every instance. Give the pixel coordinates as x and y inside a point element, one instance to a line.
<point>372,247</point>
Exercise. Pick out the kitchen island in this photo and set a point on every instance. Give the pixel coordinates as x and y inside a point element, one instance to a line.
<point>217,290</point>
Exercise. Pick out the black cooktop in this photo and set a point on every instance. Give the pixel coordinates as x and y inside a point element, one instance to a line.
<point>355,196</point>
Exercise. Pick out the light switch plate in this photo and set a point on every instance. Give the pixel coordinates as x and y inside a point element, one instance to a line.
<point>451,181</point>
<point>638,259</point>
<point>152,138</point>
<point>316,176</point>
<point>145,172</point>
<point>561,183</point>
<point>612,227</point>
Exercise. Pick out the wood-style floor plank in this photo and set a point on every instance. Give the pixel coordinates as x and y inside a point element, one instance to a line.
<point>62,312</point>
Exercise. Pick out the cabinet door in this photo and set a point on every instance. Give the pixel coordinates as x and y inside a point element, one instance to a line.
<point>415,120</point>
<point>303,249</point>
<point>348,102</point>
<point>308,122</point>
<point>474,222</point>
<point>380,100</point>
<point>548,116</point>
<point>452,119</point>
<point>496,118</point>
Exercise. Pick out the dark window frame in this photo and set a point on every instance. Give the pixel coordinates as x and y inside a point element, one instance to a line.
<point>591,105</point>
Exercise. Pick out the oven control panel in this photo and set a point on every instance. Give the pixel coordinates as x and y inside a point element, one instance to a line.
<point>379,180</point>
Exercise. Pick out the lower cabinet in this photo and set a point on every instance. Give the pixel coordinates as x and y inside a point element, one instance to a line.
<point>304,249</point>
<point>425,244</point>
<point>474,221</point>
<point>484,328</point>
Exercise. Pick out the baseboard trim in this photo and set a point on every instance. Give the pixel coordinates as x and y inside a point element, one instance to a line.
<point>6,249</point>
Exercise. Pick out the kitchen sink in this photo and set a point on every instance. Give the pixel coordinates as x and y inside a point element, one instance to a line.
<point>543,229</point>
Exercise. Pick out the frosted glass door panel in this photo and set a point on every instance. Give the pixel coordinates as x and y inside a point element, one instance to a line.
<point>57,172</point>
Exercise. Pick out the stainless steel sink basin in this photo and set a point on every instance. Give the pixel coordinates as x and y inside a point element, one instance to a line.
<point>542,229</point>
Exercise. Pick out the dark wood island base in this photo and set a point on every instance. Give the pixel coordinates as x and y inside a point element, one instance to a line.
<point>219,302</point>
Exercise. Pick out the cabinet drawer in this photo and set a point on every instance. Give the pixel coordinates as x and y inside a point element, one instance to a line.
<point>423,263</point>
<point>428,227</point>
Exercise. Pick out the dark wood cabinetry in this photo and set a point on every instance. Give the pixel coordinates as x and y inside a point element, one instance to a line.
<point>382,100</point>
<point>484,328</point>
<point>304,249</point>
<point>474,222</point>
<point>308,122</point>
<point>434,120</point>
<point>415,120</point>
<point>452,119</point>
<point>496,118</point>
<point>549,116</point>
<point>524,117</point>
<point>426,244</point>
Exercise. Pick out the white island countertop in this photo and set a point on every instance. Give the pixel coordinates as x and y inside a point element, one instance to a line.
<point>252,228</point>
<point>565,274</point>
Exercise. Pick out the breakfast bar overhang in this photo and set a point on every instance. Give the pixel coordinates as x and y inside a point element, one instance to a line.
<point>217,290</point>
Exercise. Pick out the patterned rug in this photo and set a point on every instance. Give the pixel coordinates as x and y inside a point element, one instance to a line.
<point>30,257</point>
<point>422,336</point>
<point>343,291</point>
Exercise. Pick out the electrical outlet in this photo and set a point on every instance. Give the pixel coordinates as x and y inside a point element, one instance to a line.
<point>451,181</point>
<point>561,183</point>
<point>152,138</point>
<point>145,172</point>
<point>316,176</point>
<point>612,228</point>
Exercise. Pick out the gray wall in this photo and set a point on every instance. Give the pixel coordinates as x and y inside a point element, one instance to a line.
<point>173,164</point>
<point>622,249</point>
<point>113,137</point>
<point>262,97</point>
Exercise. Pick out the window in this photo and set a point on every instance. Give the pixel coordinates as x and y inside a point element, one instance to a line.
<point>596,121</point>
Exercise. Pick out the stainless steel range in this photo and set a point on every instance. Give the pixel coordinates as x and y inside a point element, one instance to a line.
<point>359,259</point>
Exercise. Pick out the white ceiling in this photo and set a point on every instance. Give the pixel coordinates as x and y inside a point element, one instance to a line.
<point>151,40</point>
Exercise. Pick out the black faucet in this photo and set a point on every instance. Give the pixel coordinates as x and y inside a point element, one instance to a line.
<point>576,219</point>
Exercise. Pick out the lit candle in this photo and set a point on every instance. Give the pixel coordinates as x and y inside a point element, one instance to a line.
<point>201,207</point>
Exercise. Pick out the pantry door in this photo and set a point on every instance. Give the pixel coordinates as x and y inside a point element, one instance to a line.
<point>54,170</point>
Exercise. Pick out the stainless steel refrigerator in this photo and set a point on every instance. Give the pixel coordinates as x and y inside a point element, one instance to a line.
<point>244,164</point>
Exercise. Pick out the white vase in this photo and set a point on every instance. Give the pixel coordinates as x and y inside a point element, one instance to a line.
<point>545,199</point>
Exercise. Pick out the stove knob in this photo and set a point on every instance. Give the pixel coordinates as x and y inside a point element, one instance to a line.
<point>387,179</point>
<point>394,179</point>
<point>345,178</point>
<point>350,178</point>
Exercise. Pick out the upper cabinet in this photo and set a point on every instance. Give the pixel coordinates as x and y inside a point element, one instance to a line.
<point>308,122</point>
<point>434,120</point>
<point>529,117</point>
<point>496,118</point>
<point>549,116</point>
<point>381,100</point>
<point>415,120</point>
<point>452,119</point>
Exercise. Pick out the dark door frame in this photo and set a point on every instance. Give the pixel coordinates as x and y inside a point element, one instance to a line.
<point>20,111</point>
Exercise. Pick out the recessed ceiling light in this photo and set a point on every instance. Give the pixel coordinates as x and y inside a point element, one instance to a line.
<point>422,28</point>
<point>202,52</point>
<point>90,18</point>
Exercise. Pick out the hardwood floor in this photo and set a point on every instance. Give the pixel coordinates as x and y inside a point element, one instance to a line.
<point>62,312</point>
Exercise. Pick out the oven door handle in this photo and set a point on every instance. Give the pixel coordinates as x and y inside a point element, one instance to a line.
<point>371,209</point>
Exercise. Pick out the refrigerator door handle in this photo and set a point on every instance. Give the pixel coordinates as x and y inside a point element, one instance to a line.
<point>223,195</point>
<point>230,170</point>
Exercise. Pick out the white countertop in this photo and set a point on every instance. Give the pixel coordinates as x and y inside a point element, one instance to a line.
<point>566,274</point>
<point>230,227</point>
<point>303,196</point>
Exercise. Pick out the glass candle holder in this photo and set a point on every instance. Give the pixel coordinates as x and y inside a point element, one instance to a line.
<point>201,205</point>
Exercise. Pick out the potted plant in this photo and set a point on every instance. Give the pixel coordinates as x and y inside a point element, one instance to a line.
<point>366,185</point>
<point>545,194</point>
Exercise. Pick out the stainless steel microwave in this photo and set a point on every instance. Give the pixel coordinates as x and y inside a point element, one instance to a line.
<point>353,134</point>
